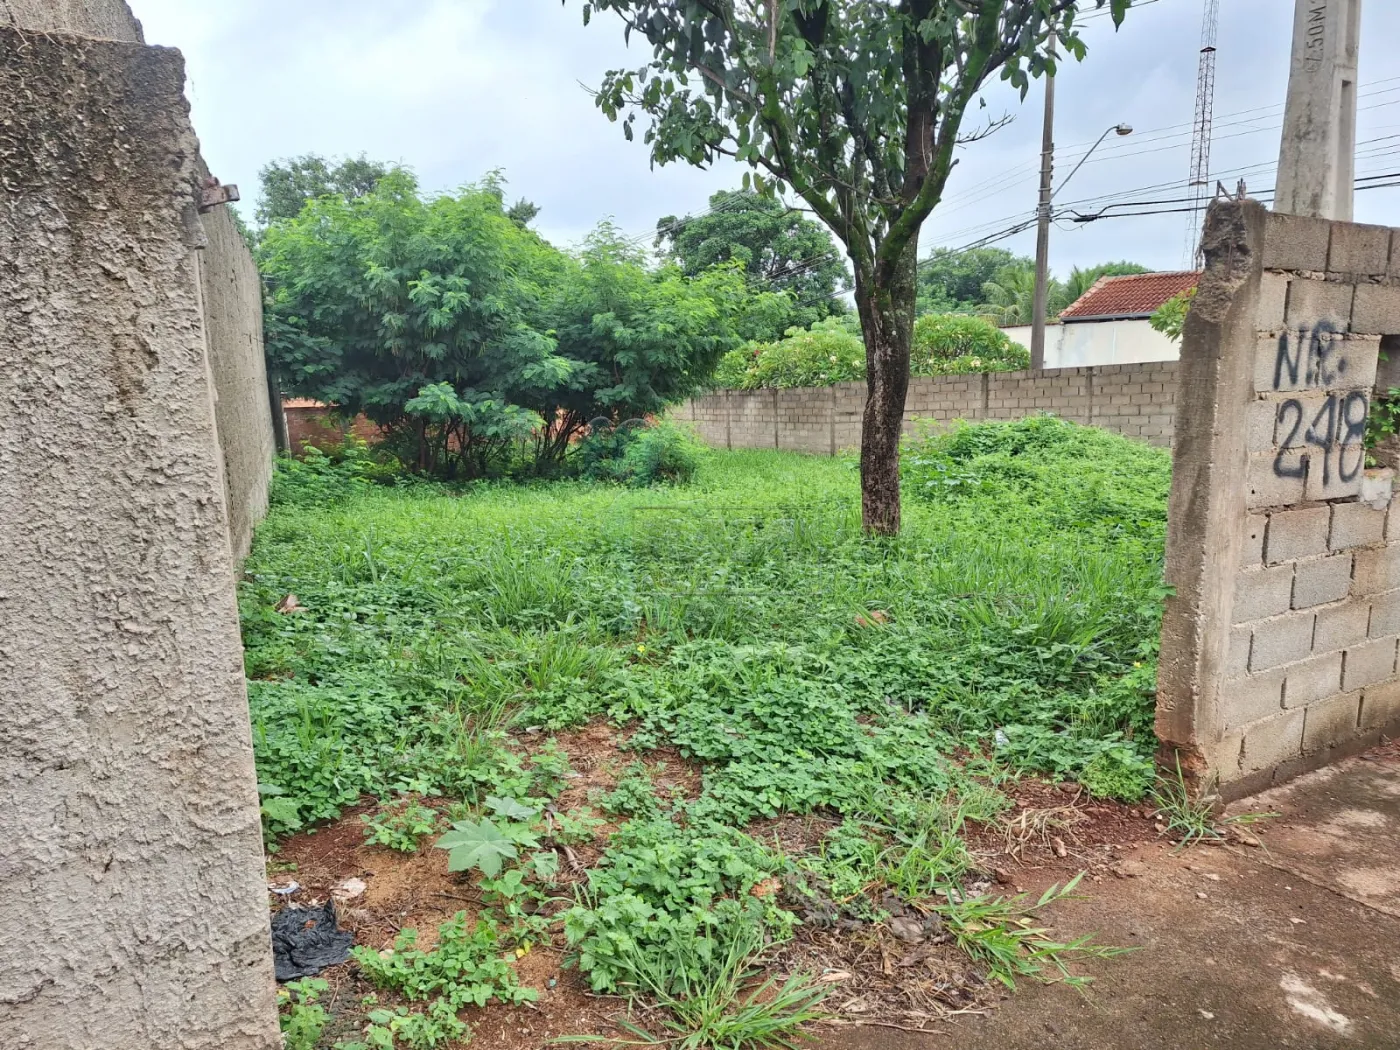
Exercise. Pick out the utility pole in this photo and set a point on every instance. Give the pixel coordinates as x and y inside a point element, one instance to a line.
<point>1042,236</point>
<point>1317,156</point>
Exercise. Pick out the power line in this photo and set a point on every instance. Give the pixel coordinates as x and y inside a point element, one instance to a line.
<point>1230,174</point>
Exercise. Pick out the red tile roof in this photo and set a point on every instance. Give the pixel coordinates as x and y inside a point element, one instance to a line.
<point>1138,295</point>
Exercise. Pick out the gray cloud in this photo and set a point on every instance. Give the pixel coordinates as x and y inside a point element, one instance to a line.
<point>456,88</point>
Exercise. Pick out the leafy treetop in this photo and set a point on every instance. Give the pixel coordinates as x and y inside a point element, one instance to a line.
<point>779,247</point>
<point>855,104</point>
<point>288,184</point>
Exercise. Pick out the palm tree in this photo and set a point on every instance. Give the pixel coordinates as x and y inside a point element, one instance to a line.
<point>1010,298</point>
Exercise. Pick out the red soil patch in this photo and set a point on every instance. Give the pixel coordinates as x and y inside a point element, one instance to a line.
<point>1050,834</point>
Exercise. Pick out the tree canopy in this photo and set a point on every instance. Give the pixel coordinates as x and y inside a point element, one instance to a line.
<point>780,248</point>
<point>288,184</point>
<point>995,284</point>
<point>857,107</point>
<point>466,335</point>
<point>951,281</point>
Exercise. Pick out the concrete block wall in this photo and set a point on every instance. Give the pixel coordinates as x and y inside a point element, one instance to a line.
<point>804,417</point>
<point>1280,648</point>
<point>1136,400</point>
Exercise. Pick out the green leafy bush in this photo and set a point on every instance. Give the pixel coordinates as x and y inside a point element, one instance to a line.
<point>318,480</point>
<point>832,351</point>
<point>954,344</point>
<point>660,883</point>
<point>302,1016</point>
<point>639,455</point>
<point>634,795</point>
<point>1170,317</point>
<point>400,825</point>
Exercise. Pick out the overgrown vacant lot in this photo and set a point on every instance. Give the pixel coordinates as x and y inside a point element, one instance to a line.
<point>685,733</point>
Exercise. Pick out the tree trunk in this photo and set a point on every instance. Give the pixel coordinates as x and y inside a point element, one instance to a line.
<point>887,322</point>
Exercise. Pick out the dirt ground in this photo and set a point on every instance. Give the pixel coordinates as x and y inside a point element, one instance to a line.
<point>1051,834</point>
<point>1293,944</point>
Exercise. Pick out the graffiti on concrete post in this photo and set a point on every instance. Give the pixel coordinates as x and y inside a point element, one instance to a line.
<point>1311,354</point>
<point>1312,358</point>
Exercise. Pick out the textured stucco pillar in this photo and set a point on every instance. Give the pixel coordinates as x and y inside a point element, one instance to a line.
<point>132,907</point>
<point>1317,156</point>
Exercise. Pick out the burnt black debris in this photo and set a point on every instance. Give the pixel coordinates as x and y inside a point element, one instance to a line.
<point>307,940</point>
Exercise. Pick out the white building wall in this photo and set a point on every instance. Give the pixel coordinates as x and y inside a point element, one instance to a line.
<point>1099,343</point>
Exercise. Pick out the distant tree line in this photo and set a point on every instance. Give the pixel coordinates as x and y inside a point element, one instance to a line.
<point>1000,286</point>
<point>476,344</point>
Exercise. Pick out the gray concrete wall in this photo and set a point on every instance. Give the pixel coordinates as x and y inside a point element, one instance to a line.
<point>131,880</point>
<point>1279,647</point>
<point>232,297</point>
<point>1135,400</point>
<point>233,323</point>
<point>106,19</point>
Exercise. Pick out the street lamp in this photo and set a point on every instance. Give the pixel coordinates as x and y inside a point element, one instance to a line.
<point>1042,240</point>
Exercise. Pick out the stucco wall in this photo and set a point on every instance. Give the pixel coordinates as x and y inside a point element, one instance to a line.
<point>108,19</point>
<point>1099,343</point>
<point>131,879</point>
<point>234,326</point>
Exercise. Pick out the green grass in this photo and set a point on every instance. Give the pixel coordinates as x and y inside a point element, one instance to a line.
<point>730,619</point>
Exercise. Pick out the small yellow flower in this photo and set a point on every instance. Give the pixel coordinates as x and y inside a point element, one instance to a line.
<point>1137,663</point>
<point>641,648</point>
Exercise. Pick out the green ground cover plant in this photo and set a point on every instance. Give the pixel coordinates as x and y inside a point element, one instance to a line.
<point>744,621</point>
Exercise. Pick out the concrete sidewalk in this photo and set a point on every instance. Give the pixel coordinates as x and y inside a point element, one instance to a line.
<point>1296,944</point>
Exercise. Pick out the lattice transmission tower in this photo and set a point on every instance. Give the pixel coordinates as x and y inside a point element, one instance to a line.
<point>1201,133</point>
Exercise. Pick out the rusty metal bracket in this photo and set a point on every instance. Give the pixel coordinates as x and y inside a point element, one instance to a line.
<point>215,193</point>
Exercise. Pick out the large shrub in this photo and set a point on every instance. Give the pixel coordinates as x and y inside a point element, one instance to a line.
<point>468,337</point>
<point>425,315</point>
<point>639,454</point>
<point>636,339</point>
<point>832,351</point>
<point>952,343</point>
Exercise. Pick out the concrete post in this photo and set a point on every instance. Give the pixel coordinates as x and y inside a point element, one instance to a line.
<point>132,892</point>
<point>1317,157</point>
<point>1208,484</point>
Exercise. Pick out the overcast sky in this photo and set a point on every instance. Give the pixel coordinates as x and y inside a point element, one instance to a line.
<point>456,88</point>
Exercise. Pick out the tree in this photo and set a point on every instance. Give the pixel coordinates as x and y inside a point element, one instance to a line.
<point>636,339</point>
<point>1009,297</point>
<point>423,315</point>
<point>780,248</point>
<point>288,184</point>
<point>522,212</point>
<point>951,281</point>
<point>1170,317</point>
<point>857,107</point>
